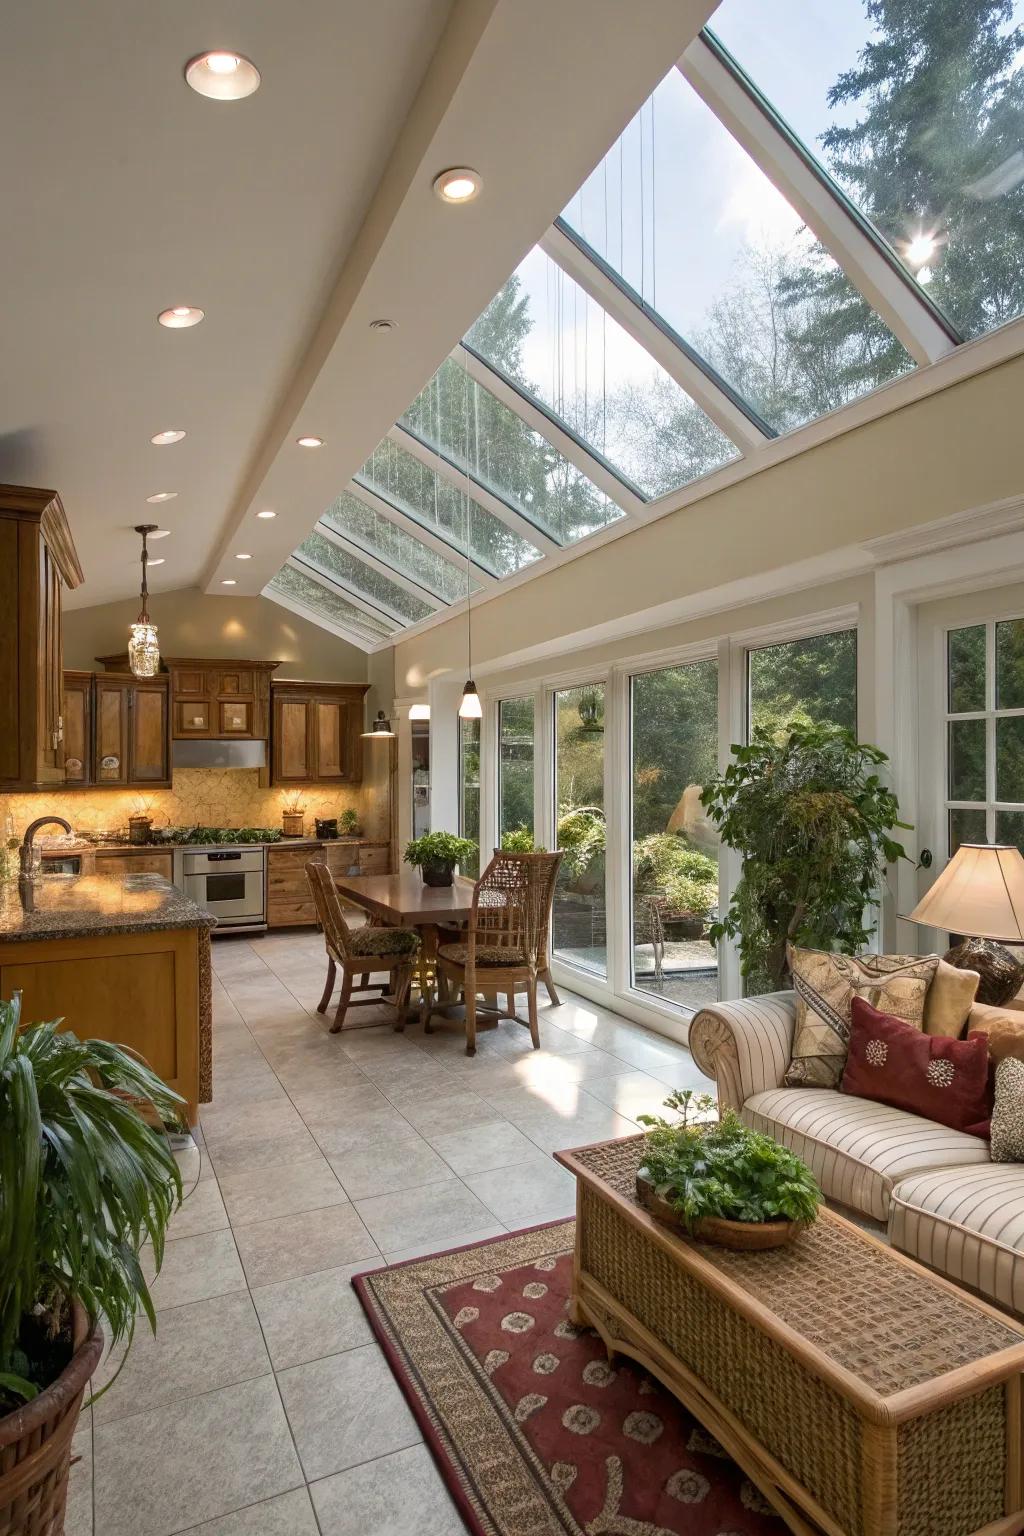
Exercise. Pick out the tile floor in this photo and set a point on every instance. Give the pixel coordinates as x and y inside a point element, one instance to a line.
<point>263,1407</point>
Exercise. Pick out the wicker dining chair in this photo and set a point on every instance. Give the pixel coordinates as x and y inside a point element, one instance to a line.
<point>358,953</point>
<point>505,944</point>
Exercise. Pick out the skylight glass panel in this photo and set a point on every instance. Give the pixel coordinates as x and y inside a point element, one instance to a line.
<point>553,341</point>
<point>917,111</point>
<point>403,551</point>
<point>688,220</point>
<point>371,584</point>
<point>434,503</point>
<point>322,602</point>
<point>478,433</point>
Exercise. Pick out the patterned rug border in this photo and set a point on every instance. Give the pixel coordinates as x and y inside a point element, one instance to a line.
<point>400,1370</point>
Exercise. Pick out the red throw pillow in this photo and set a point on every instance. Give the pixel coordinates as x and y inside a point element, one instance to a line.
<point>931,1075</point>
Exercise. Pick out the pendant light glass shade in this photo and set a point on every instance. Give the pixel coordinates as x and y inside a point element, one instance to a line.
<point>470,708</point>
<point>143,649</point>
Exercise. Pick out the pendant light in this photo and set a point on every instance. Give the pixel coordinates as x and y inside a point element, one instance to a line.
<point>380,727</point>
<point>143,650</point>
<point>469,707</point>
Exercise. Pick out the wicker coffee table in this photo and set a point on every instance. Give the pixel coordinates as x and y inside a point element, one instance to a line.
<point>862,1394</point>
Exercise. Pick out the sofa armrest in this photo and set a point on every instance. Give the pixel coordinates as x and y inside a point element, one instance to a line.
<point>745,1046</point>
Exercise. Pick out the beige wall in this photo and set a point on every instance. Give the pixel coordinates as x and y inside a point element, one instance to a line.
<point>190,623</point>
<point>955,450</point>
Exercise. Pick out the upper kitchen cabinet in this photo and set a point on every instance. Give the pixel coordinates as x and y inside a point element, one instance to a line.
<point>116,730</point>
<point>37,563</point>
<point>226,700</point>
<point>315,733</point>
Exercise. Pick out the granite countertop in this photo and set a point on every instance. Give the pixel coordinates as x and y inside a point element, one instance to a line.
<point>78,906</point>
<point>83,846</point>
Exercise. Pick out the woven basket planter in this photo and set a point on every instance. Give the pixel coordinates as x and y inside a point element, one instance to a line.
<point>743,1236</point>
<point>35,1442</point>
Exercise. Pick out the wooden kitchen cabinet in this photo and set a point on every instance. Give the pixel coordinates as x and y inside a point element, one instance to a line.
<point>289,903</point>
<point>78,727</point>
<point>130,737</point>
<point>220,700</point>
<point>315,732</point>
<point>145,862</point>
<point>37,563</point>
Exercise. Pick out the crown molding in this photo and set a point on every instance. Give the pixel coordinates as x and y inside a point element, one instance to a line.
<point>970,527</point>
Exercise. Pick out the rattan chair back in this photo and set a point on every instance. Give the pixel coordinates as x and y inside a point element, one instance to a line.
<point>512,904</point>
<point>329,911</point>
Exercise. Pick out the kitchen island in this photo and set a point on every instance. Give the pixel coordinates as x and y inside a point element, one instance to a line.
<point>119,958</point>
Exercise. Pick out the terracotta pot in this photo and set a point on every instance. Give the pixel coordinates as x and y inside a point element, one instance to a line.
<point>744,1236</point>
<point>35,1442</point>
<point>437,874</point>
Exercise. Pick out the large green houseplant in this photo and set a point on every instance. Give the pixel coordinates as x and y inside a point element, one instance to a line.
<point>436,855</point>
<point>84,1181</point>
<point>813,821</point>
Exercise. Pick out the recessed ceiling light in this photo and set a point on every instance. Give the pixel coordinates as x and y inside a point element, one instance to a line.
<point>229,581</point>
<point>222,76</point>
<point>266,513</point>
<point>171,435</point>
<point>154,559</point>
<point>382,325</point>
<point>310,442</point>
<point>243,557</point>
<point>458,185</point>
<point>181,317</point>
<point>162,496</point>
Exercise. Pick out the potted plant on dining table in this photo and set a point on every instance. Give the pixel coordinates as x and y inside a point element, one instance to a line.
<point>437,854</point>
<point>84,1181</point>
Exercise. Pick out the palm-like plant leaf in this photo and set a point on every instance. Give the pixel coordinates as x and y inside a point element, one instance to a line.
<point>84,1181</point>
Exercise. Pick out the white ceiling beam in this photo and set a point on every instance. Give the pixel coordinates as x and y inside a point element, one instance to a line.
<point>474,489</point>
<point>881,280</point>
<point>724,409</point>
<point>543,421</point>
<point>335,584</point>
<point>367,557</point>
<point>378,502</point>
<point>312,616</point>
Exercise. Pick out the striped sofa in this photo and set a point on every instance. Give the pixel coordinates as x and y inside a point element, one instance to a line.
<point>935,1190</point>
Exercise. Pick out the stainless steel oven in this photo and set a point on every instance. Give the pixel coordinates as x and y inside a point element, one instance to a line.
<point>226,881</point>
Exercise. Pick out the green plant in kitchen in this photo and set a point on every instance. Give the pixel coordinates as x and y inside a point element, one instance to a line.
<point>519,840</point>
<point>84,1180</point>
<point>720,1168</point>
<point>813,821</point>
<point>436,854</point>
<point>348,823</point>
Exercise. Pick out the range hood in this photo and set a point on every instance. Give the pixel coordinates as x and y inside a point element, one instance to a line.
<point>219,754</point>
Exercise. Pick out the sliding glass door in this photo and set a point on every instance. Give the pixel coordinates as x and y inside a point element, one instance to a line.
<point>674,886</point>
<point>579,923</point>
<point>515,767</point>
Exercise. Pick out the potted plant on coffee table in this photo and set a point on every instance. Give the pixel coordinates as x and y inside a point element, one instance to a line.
<point>84,1180</point>
<point>436,855</point>
<point>720,1181</point>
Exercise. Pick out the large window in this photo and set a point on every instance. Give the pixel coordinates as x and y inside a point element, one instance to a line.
<point>674,716</point>
<point>469,791</point>
<point>918,113</point>
<point>804,682</point>
<point>985,734</point>
<point>515,766</point>
<point>579,925</point>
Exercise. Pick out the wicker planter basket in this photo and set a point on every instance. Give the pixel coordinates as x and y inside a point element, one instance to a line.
<point>742,1236</point>
<point>35,1443</point>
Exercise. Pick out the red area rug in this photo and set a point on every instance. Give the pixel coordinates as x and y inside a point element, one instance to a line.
<point>536,1434</point>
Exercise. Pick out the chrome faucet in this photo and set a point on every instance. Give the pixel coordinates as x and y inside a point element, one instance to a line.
<point>25,852</point>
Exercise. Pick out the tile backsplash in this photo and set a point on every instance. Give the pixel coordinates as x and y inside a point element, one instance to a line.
<point>214,797</point>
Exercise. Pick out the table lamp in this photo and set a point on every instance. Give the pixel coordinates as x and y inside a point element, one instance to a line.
<point>980,893</point>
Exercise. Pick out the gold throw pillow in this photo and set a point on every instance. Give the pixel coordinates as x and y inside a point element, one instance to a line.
<point>825,986</point>
<point>948,1004</point>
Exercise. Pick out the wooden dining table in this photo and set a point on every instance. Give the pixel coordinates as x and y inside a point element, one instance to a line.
<point>402,900</point>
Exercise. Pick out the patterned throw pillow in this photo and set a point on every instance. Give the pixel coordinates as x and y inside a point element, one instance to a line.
<point>929,1075</point>
<point>826,985</point>
<point>1008,1112</point>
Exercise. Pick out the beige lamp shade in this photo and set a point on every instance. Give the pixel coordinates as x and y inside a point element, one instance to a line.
<point>979,893</point>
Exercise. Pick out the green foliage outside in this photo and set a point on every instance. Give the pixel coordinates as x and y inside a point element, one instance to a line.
<point>443,849</point>
<point>812,819</point>
<point>689,879</point>
<point>519,840</point>
<point>83,1182</point>
<point>722,1168</point>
